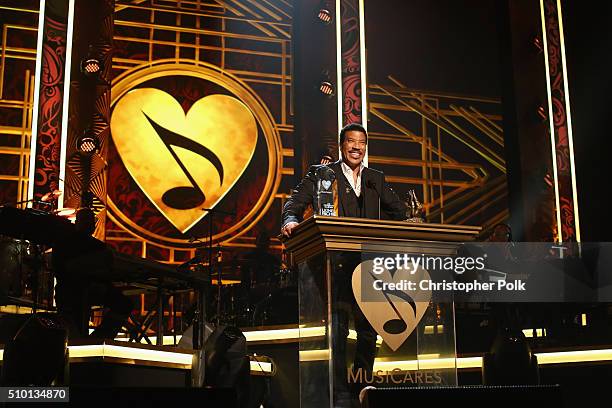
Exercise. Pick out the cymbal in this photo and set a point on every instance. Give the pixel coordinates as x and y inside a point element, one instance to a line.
<point>51,195</point>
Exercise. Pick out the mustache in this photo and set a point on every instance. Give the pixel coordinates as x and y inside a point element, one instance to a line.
<point>355,151</point>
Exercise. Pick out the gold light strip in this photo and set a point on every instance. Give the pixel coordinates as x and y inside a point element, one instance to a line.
<point>110,350</point>
<point>580,356</point>
<point>14,309</point>
<point>364,84</point>
<point>294,334</point>
<point>131,353</point>
<point>550,120</point>
<point>35,107</point>
<point>314,355</point>
<point>563,357</point>
<point>339,90</point>
<point>284,334</point>
<point>66,103</point>
<point>569,122</point>
<point>469,362</point>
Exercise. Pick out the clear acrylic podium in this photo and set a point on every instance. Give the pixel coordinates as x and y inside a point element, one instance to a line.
<point>348,339</point>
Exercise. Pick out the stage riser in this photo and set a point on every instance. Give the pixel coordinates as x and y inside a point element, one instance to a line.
<point>124,375</point>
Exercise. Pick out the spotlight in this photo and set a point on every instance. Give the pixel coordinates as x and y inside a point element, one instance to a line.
<point>541,112</point>
<point>91,65</point>
<point>324,15</point>
<point>326,88</point>
<point>537,43</point>
<point>88,143</point>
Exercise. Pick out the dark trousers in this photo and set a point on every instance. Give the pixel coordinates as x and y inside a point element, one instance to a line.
<point>343,306</point>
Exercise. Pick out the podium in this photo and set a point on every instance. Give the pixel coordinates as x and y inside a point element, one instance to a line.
<point>354,330</point>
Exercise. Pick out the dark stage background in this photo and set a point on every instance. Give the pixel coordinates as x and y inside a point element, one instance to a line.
<point>435,114</point>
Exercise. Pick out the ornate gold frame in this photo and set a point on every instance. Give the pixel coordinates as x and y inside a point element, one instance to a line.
<point>131,78</point>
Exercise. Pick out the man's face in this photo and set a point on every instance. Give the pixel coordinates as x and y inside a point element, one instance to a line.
<point>353,148</point>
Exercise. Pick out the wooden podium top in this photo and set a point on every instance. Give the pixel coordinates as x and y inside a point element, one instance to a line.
<point>320,233</point>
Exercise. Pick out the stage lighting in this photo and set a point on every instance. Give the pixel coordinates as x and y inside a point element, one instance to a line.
<point>326,88</point>
<point>510,361</point>
<point>541,112</point>
<point>88,143</point>
<point>91,66</point>
<point>226,361</point>
<point>537,43</point>
<point>324,14</point>
<point>37,354</point>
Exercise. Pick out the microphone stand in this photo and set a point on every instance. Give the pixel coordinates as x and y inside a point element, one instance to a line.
<point>211,213</point>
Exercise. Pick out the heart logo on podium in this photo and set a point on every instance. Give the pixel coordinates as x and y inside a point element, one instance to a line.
<point>183,162</point>
<point>326,184</point>
<point>394,314</point>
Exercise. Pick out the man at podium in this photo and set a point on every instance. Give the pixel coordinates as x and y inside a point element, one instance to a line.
<point>356,191</point>
<point>362,191</point>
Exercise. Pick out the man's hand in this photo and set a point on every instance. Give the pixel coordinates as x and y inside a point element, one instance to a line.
<point>288,227</point>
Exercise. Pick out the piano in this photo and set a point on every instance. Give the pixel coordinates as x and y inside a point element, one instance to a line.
<point>49,230</point>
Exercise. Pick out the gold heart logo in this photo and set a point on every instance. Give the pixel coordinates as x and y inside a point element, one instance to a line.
<point>183,162</point>
<point>394,314</point>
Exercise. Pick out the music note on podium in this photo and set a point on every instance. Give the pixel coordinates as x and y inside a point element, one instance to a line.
<point>185,197</point>
<point>399,325</point>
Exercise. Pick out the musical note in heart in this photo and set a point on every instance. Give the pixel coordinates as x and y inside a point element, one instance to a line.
<point>394,314</point>
<point>185,197</point>
<point>399,325</point>
<point>183,161</point>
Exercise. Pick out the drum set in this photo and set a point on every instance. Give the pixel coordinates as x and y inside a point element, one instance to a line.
<point>25,274</point>
<point>240,303</point>
<point>275,301</point>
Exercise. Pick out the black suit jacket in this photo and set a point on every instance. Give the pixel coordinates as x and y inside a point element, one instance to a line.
<point>380,201</point>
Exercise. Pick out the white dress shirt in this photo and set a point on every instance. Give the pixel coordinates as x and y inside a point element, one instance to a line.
<point>348,172</point>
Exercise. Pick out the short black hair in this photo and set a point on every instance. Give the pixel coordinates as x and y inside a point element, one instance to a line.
<point>352,126</point>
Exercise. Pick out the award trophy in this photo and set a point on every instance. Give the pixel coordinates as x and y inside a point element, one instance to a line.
<point>414,208</point>
<point>325,191</point>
